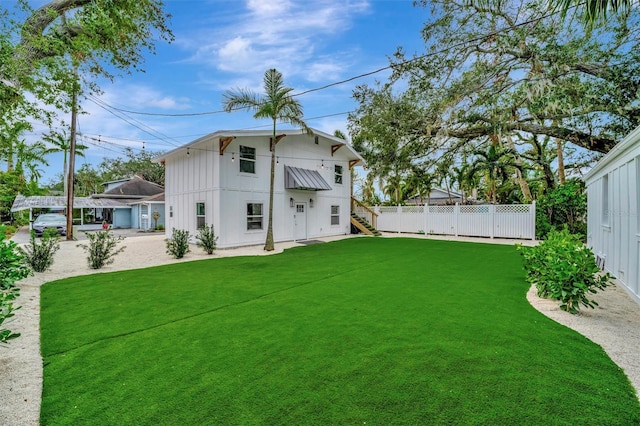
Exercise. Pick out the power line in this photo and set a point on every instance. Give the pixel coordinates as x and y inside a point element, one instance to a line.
<point>359,76</point>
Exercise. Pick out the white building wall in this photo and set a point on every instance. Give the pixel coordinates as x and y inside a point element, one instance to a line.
<point>613,205</point>
<point>206,176</point>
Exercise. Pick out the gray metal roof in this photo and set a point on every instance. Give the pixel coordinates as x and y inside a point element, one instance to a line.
<point>24,203</point>
<point>297,178</point>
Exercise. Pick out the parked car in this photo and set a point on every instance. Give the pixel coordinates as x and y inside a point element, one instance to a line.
<point>50,220</point>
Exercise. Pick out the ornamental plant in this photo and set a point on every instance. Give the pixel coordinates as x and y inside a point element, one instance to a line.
<point>207,239</point>
<point>102,248</point>
<point>563,268</point>
<point>178,244</point>
<point>40,255</point>
<point>13,267</point>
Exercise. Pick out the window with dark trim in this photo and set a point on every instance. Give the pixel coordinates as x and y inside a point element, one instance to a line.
<point>338,174</point>
<point>335,215</point>
<point>200,216</point>
<point>254,216</point>
<point>247,159</point>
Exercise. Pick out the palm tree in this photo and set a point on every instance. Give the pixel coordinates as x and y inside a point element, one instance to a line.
<point>593,11</point>
<point>420,184</point>
<point>276,104</point>
<point>30,156</point>
<point>496,163</point>
<point>9,139</point>
<point>62,143</point>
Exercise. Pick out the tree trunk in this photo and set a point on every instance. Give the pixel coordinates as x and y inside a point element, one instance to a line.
<point>524,185</point>
<point>269,244</point>
<point>559,149</point>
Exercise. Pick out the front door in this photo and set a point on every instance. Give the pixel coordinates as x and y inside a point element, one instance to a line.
<point>300,222</point>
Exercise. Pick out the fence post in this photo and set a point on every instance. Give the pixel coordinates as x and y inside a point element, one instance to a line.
<point>492,212</point>
<point>456,210</point>
<point>426,219</point>
<point>399,212</point>
<point>532,218</point>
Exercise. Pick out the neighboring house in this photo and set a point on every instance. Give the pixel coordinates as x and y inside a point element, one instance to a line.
<point>140,196</point>
<point>223,179</point>
<point>126,203</point>
<point>437,197</point>
<point>613,194</point>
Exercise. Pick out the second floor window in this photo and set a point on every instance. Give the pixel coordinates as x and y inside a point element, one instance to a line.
<point>338,174</point>
<point>247,159</point>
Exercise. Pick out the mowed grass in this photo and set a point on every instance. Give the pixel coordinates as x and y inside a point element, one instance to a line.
<point>367,330</point>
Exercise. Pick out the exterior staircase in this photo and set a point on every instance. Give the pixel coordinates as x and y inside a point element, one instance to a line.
<point>363,218</point>
<point>363,226</point>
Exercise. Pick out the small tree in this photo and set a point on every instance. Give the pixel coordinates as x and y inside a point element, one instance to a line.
<point>102,248</point>
<point>207,238</point>
<point>13,267</point>
<point>178,244</point>
<point>40,255</point>
<point>565,205</point>
<point>563,268</point>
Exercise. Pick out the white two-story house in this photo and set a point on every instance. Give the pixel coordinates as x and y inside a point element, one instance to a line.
<point>223,179</point>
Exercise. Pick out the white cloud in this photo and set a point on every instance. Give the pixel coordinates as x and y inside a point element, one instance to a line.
<point>287,35</point>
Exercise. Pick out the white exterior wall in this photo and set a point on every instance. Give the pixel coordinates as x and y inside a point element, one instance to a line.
<point>206,176</point>
<point>190,179</point>
<point>613,223</point>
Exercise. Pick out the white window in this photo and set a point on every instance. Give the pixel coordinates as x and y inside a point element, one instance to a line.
<point>605,200</point>
<point>335,215</point>
<point>200,216</point>
<point>247,159</point>
<point>254,216</point>
<point>338,174</point>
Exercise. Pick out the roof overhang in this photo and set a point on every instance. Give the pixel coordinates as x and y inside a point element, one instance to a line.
<point>304,179</point>
<point>53,202</point>
<point>226,136</point>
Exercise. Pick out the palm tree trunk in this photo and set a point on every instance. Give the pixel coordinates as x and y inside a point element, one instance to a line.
<point>269,244</point>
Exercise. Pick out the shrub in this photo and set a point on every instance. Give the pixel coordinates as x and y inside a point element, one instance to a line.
<point>160,227</point>
<point>563,268</point>
<point>6,231</point>
<point>40,255</point>
<point>563,206</point>
<point>178,244</point>
<point>207,238</point>
<point>102,248</point>
<point>13,267</point>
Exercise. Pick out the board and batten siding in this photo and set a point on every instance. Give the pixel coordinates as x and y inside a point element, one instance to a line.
<point>206,176</point>
<point>191,180</point>
<point>613,224</point>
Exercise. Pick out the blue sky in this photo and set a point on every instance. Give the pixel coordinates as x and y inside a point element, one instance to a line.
<point>226,44</point>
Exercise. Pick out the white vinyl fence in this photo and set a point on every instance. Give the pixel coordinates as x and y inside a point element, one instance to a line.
<point>499,221</point>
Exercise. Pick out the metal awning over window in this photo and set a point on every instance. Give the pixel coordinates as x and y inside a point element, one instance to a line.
<point>310,180</point>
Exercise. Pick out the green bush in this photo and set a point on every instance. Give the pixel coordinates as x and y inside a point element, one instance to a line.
<point>102,248</point>
<point>6,231</point>
<point>207,239</point>
<point>563,268</point>
<point>563,206</point>
<point>13,267</point>
<point>40,255</point>
<point>160,227</point>
<point>178,244</point>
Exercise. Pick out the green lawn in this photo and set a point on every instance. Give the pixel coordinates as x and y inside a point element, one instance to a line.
<point>367,330</point>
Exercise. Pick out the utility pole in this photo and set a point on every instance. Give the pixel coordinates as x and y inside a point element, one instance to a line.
<point>72,155</point>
